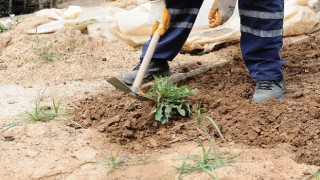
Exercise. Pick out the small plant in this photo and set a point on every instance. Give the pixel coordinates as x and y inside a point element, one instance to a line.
<point>45,51</point>
<point>14,124</point>
<point>143,160</point>
<point>314,174</point>
<point>207,162</point>
<point>210,159</point>
<point>56,106</point>
<point>4,28</point>
<point>114,161</point>
<point>40,113</point>
<point>200,120</point>
<point>170,99</point>
<point>6,25</point>
<point>35,115</point>
<point>9,23</point>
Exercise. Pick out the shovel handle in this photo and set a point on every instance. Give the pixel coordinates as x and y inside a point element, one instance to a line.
<point>145,62</point>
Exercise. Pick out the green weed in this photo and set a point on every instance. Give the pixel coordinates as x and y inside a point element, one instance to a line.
<point>170,99</point>
<point>130,104</point>
<point>56,106</point>
<point>143,160</point>
<point>314,174</point>
<point>13,124</point>
<point>35,115</point>
<point>210,158</point>
<point>39,113</point>
<point>207,162</point>
<point>17,58</point>
<point>44,51</point>
<point>15,21</point>
<point>114,161</point>
<point>4,28</point>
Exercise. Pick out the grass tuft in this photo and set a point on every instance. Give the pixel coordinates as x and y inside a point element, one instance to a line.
<point>210,159</point>
<point>38,113</point>
<point>315,175</point>
<point>207,162</point>
<point>41,114</point>
<point>114,161</point>
<point>44,51</point>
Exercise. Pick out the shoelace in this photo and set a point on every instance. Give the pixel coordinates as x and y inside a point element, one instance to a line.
<point>137,67</point>
<point>265,85</point>
<point>152,66</point>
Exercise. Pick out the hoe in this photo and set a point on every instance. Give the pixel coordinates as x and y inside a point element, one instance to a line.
<point>134,90</point>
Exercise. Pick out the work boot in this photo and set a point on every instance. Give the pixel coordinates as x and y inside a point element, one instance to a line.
<point>156,68</point>
<point>268,89</point>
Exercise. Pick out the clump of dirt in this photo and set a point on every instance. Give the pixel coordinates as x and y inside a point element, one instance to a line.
<point>129,122</point>
<point>225,94</point>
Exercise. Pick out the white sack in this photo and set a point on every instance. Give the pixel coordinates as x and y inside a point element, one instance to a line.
<point>73,17</point>
<point>132,25</point>
<point>71,12</point>
<point>301,17</point>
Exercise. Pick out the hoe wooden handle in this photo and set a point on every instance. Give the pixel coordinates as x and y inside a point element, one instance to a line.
<point>145,62</point>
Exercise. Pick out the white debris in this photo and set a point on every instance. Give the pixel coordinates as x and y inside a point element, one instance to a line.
<point>301,17</point>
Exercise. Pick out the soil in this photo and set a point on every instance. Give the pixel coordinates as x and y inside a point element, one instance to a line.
<point>225,95</point>
<point>275,140</point>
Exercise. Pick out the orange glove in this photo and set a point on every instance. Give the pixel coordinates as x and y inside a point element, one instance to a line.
<point>214,15</point>
<point>159,17</point>
<point>220,12</point>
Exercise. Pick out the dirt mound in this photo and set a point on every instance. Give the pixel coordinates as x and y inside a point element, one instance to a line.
<point>128,122</point>
<point>226,95</point>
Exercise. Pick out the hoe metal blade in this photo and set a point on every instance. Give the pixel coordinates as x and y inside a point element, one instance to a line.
<point>117,83</point>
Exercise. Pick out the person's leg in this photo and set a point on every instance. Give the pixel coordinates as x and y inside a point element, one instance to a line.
<point>261,41</point>
<point>183,15</point>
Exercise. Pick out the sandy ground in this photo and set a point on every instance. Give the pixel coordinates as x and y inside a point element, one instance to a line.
<point>77,71</point>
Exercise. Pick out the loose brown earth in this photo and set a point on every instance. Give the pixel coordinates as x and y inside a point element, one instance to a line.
<point>271,138</point>
<point>225,95</point>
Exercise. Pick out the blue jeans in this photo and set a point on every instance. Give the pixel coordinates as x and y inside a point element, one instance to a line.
<point>261,34</point>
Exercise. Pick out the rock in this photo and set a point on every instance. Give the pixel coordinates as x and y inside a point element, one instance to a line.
<point>8,138</point>
<point>32,153</point>
<point>137,147</point>
<point>12,101</point>
<point>5,41</point>
<point>252,135</point>
<point>46,108</point>
<point>306,173</point>
<point>102,128</point>
<point>3,67</point>
<point>113,120</point>
<point>297,95</point>
<point>153,142</point>
<point>256,129</point>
